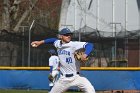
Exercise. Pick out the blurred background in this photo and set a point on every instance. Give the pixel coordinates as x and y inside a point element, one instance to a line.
<point>112,25</point>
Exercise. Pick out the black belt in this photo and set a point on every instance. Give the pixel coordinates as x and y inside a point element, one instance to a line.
<point>69,75</point>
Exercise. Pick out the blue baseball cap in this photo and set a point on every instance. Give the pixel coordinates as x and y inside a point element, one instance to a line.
<point>65,31</point>
<point>52,51</point>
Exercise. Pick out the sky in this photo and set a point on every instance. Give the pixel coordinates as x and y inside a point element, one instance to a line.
<point>103,15</point>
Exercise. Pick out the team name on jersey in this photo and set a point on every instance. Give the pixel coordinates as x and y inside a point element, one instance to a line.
<point>63,52</point>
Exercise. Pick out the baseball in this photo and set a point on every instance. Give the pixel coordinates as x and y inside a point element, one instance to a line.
<point>33,45</point>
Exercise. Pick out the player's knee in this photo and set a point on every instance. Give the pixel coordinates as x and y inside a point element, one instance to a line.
<point>90,90</point>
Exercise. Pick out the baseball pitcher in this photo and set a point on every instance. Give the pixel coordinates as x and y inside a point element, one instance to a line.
<point>69,63</point>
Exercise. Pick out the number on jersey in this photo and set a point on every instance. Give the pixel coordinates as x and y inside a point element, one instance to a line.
<point>69,60</point>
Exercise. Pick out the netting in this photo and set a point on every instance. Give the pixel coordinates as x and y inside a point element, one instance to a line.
<point>15,49</point>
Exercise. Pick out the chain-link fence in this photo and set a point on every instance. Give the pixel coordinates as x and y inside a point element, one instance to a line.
<point>119,51</point>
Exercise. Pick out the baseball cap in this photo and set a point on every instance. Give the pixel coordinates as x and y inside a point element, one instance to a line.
<point>65,31</point>
<point>52,51</point>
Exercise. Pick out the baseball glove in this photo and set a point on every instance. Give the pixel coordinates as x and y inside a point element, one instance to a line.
<point>50,77</point>
<point>78,54</point>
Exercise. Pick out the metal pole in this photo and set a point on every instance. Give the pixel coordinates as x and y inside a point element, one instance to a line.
<point>139,50</point>
<point>29,52</point>
<point>97,14</point>
<point>23,48</point>
<point>126,38</point>
<point>115,48</point>
<point>23,43</point>
<point>115,43</point>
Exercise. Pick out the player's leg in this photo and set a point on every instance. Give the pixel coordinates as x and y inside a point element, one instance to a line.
<point>50,85</point>
<point>84,84</point>
<point>60,86</point>
<point>55,75</point>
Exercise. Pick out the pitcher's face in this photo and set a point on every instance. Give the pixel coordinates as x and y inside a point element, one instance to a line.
<point>66,38</point>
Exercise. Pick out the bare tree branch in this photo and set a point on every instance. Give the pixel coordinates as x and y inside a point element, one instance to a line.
<point>14,8</point>
<point>25,14</point>
<point>6,15</point>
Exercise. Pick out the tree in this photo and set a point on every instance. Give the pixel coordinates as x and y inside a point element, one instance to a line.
<point>18,12</point>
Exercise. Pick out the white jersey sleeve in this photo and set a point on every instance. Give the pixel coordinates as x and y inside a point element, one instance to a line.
<point>79,45</point>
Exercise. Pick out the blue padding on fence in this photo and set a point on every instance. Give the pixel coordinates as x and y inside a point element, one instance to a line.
<point>101,80</point>
<point>114,80</point>
<point>23,79</point>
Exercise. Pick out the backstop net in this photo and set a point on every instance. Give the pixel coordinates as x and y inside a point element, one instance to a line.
<point>121,50</point>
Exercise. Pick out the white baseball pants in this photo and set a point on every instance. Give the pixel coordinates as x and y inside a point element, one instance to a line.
<point>64,83</point>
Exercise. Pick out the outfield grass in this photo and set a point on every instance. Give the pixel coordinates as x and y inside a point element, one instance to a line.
<point>28,91</point>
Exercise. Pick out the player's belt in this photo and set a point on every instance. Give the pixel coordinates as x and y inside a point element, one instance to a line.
<point>69,75</point>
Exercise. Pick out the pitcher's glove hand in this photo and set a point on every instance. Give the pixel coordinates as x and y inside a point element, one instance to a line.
<point>50,77</point>
<point>80,55</point>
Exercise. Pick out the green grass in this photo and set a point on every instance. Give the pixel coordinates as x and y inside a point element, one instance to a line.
<point>27,91</point>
